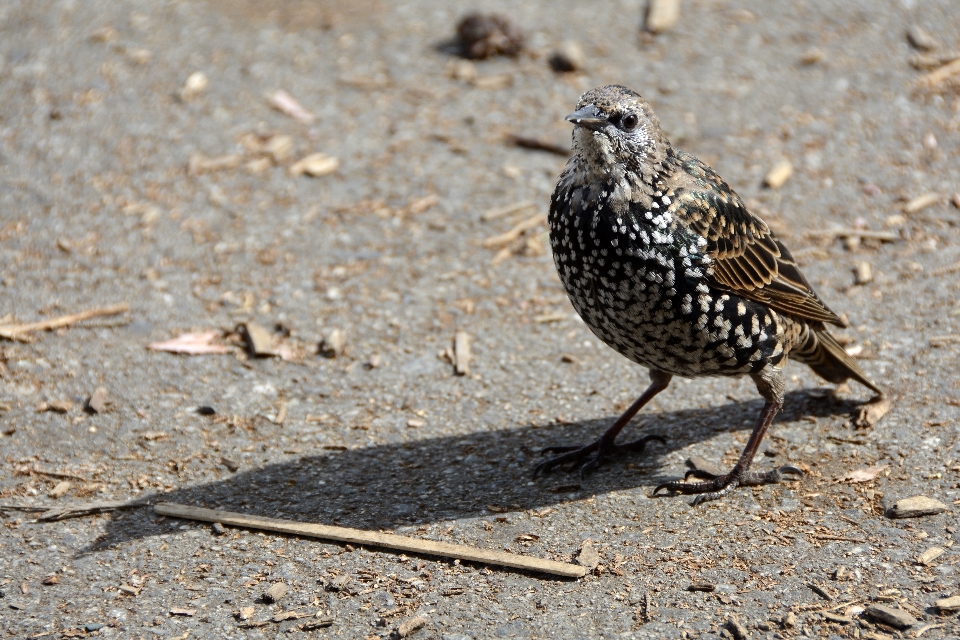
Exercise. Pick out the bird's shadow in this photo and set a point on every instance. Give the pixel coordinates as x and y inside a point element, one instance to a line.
<point>447,478</point>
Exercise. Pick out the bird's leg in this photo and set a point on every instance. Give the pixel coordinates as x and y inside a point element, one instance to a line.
<point>771,385</point>
<point>604,445</point>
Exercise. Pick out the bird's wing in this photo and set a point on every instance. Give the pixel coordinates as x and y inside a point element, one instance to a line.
<point>748,259</point>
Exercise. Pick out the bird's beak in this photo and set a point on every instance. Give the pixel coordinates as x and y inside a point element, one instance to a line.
<point>589,117</point>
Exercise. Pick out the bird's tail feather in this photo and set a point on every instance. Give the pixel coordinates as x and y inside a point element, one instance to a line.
<point>818,349</point>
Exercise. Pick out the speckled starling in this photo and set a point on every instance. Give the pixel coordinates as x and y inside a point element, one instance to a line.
<point>665,263</point>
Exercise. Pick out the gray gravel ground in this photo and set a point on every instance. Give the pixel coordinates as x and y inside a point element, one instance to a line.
<point>97,208</point>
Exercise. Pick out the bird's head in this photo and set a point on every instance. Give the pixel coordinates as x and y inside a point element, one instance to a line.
<point>616,132</point>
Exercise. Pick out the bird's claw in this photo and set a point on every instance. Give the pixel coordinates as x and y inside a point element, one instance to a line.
<point>716,486</point>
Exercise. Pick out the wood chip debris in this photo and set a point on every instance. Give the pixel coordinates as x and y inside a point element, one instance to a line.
<point>922,202</point>
<point>872,412</point>
<point>927,557</point>
<point>197,343</point>
<point>80,510</point>
<point>779,174</point>
<point>920,38</point>
<point>848,232</point>
<point>949,604</point>
<point>940,76</point>
<point>915,507</point>
<point>662,15</point>
<point>62,488</point>
<point>897,618</point>
<point>260,341</point>
<point>942,341</point>
<point>198,163</point>
<point>315,165</point>
<point>462,354</point>
<point>176,611</point>
<point>536,144</point>
<point>285,103</point>
<point>372,538</point>
<point>503,239</point>
<point>410,626</point>
<point>501,212</point>
<point>20,331</point>
<point>737,629</point>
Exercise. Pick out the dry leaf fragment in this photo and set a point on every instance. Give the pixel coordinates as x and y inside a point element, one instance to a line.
<point>199,163</point>
<point>61,489</point>
<point>864,475</point>
<point>410,626</point>
<point>931,554</point>
<point>191,344</point>
<point>285,103</point>
<point>588,557</point>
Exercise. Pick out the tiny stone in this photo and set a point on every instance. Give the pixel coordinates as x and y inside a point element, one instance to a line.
<point>98,401</point>
<point>259,340</point>
<point>275,592</point>
<point>219,529</point>
<point>949,604</point>
<point>410,626</point>
<point>915,507</point>
<point>702,586</point>
<point>790,620</point>
<point>50,580</point>
<point>955,200</point>
<point>871,413</point>
<point>61,489</point>
<point>206,410</point>
<point>315,164</point>
<point>588,556</point>
<point>863,273</point>
<point>568,57</point>
<point>662,15</point>
<point>245,613</point>
<point>779,174</point>
<point>920,39</point>
<point>888,615</point>
<point>194,86</point>
<point>738,630</point>
<point>813,55</point>
<point>333,343</point>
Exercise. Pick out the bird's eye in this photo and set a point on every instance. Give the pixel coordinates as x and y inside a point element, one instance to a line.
<point>630,121</point>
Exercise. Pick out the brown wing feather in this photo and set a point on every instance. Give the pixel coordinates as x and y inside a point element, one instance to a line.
<point>748,258</point>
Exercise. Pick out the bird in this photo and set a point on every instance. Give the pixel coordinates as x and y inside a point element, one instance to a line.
<point>665,263</point>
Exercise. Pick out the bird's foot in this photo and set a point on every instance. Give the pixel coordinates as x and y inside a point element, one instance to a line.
<point>716,486</point>
<point>603,447</point>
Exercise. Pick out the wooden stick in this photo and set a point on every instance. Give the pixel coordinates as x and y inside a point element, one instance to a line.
<point>372,538</point>
<point>14,331</point>
<point>516,232</point>
<point>884,236</point>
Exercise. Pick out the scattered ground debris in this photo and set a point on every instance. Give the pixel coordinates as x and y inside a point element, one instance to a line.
<point>779,174</point>
<point>662,15</point>
<point>462,354</point>
<point>921,202</point>
<point>20,331</point>
<point>897,618</point>
<point>865,474</point>
<point>198,343</point>
<point>487,35</point>
<point>275,592</point>
<point>915,507</point>
<point>315,165</point>
<point>372,538</point>
<point>737,629</point>
<point>568,57</point>
<point>410,626</point>
<point>56,406</point>
<point>927,557</point>
<point>704,587</point>
<point>285,103</point>
<point>61,489</point>
<point>333,344</point>
<point>948,73</point>
<point>847,232</point>
<point>536,144</point>
<point>97,402</point>
<point>507,210</point>
<point>921,39</point>
<point>812,56</point>
<point>588,556</point>
<point>195,84</point>
<point>950,604</point>
<point>199,164</point>
<point>863,273</point>
<point>260,341</point>
<point>702,464</point>
<point>73,511</point>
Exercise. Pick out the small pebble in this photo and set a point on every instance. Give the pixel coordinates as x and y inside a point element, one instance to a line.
<point>219,529</point>
<point>194,86</point>
<point>568,57</point>
<point>662,15</point>
<point>915,507</point>
<point>315,165</point>
<point>921,39</point>
<point>588,557</point>
<point>897,618</point>
<point>275,592</point>
<point>950,604</point>
<point>813,55</point>
<point>410,626</point>
<point>863,273</point>
<point>779,174</point>
<point>333,343</point>
<point>928,556</point>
